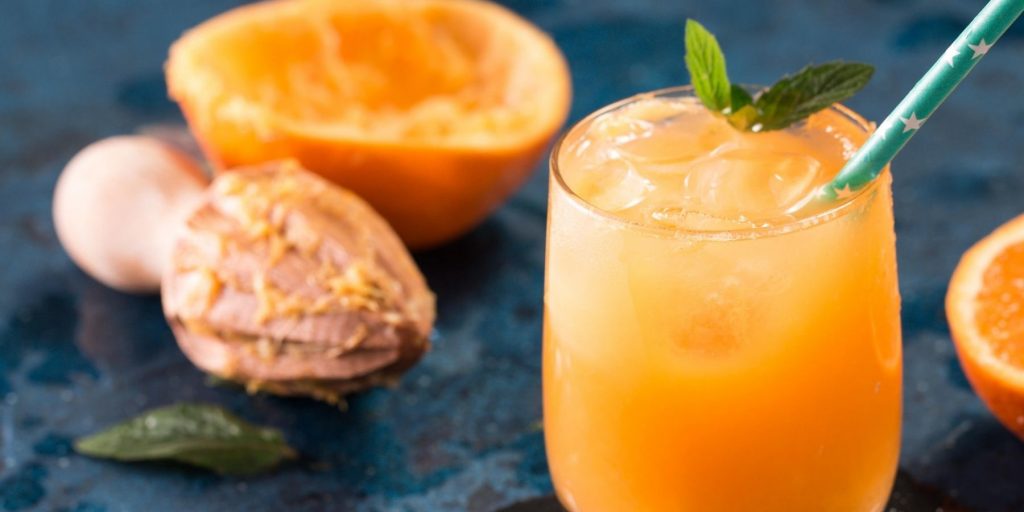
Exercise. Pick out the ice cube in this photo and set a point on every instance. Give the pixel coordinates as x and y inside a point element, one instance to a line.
<point>578,148</point>
<point>753,183</point>
<point>586,152</point>
<point>620,128</point>
<point>613,185</point>
<point>679,139</point>
<point>666,112</point>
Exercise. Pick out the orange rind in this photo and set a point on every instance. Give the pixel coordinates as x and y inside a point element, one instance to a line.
<point>434,111</point>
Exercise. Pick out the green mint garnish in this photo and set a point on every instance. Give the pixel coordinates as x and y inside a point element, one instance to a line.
<point>788,101</point>
<point>201,435</point>
<point>811,89</point>
<point>740,99</point>
<point>706,63</point>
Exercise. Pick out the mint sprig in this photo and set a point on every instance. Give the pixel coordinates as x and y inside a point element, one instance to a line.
<point>790,100</point>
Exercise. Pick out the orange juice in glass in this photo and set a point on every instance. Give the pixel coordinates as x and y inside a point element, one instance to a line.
<point>717,338</point>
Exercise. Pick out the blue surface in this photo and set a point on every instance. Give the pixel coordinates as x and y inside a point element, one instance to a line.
<point>462,431</point>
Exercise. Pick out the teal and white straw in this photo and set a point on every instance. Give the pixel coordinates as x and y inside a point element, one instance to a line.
<point>925,97</point>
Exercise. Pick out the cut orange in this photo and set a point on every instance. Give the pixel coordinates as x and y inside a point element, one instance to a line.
<point>985,309</point>
<point>434,111</point>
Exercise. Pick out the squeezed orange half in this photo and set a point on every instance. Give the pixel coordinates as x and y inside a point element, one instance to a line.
<point>434,111</point>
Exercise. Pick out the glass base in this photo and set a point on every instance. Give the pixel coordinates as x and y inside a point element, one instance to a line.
<point>908,495</point>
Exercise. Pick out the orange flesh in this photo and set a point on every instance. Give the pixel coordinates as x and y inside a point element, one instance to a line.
<point>425,72</point>
<point>986,323</point>
<point>998,315</point>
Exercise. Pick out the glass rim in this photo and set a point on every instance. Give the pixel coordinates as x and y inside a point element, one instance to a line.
<point>839,209</point>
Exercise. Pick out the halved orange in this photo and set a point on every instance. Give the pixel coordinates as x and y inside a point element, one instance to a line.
<point>985,309</point>
<point>434,111</point>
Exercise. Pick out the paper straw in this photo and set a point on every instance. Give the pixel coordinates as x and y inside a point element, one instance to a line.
<point>925,97</point>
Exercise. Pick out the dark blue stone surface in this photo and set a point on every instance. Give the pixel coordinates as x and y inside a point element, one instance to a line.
<point>462,431</point>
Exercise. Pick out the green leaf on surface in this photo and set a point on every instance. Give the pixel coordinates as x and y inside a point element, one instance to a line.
<point>201,435</point>
<point>811,89</point>
<point>706,63</point>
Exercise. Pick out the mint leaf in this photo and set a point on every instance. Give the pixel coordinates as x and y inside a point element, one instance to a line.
<point>811,89</point>
<point>739,98</point>
<point>706,63</point>
<point>201,435</point>
<point>741,114</point>
<point>744,118</point>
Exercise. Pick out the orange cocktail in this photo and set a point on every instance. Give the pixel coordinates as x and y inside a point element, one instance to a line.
<point>717,337</point>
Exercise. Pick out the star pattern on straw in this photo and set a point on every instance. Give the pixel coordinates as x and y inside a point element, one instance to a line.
<point>843,193</point>
<point>930,91</point>
<point>951,52</point>
<point>979,49</point>
<point>912,122</point>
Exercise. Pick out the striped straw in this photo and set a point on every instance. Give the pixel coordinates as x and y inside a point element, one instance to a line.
<point>925,97</point>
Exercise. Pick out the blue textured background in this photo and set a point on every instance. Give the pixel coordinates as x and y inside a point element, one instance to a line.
<point>462,431</point>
